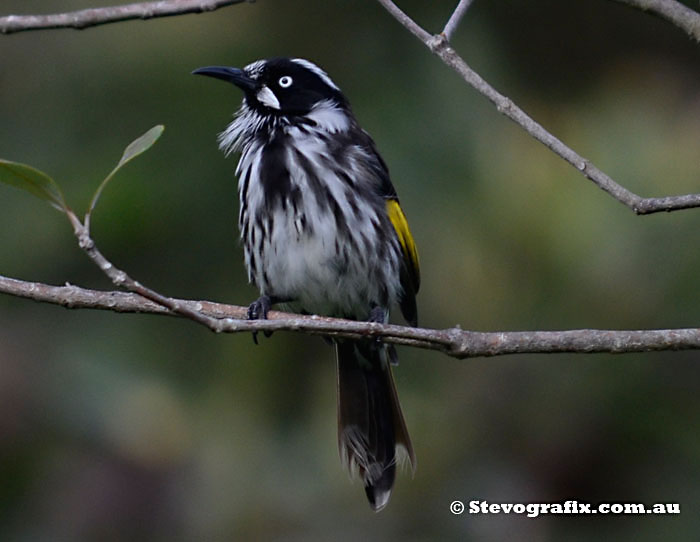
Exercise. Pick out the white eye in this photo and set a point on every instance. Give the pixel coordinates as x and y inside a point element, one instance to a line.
<point>285,81</point>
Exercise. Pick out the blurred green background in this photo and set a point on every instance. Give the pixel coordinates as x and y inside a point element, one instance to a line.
<point>134,427</point>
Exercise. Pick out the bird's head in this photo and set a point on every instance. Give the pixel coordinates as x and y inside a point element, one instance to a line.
<point>281,86</point>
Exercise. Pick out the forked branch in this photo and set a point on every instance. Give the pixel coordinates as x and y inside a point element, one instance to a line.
<point>439,45</point>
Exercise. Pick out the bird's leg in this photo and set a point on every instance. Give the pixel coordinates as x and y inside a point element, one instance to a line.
<point>258,310</point>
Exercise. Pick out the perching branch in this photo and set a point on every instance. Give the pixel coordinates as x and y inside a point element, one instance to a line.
<point>98,16</point>
<point>454,342</point>
<point>671,10</point>
<point>439,45</point>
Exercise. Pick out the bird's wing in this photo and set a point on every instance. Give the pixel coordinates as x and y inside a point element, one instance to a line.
<point>410,270</point>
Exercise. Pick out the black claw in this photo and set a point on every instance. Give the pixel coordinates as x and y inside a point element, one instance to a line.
<point>258,310</point>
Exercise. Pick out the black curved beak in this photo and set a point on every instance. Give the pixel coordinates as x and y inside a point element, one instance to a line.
<point>233,75</point>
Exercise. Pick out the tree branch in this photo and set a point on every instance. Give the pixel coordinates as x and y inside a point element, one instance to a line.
<point>122,280</point>
<point>439,45</point>
<point>454,342</point>
<point>671,10</point>
<point>98,16</point>
<point>455,18</point>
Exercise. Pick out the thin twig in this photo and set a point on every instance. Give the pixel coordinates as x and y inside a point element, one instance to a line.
<point>671,10</point>
<point>405,20</point>
<point>454,342</point>
<point>439,45</point>
<point>455,18</point>
<point>122,280</point>
<point>98,16</point>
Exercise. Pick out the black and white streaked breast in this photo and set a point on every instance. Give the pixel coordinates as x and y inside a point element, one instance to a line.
<point>312,214</point>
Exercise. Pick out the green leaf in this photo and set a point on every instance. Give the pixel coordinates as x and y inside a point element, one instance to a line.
<point>33,181</point>
<point>142,144</point>
<point>136,147</point>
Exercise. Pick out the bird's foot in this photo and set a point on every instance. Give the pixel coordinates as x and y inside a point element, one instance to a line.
<point>258,310</point>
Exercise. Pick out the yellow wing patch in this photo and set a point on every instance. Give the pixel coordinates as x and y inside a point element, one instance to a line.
<point>408,245</point>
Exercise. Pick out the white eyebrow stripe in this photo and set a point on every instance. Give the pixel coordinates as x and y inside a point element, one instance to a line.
<point>318,71</point>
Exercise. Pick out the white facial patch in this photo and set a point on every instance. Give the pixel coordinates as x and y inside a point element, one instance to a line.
<point>266,97</point>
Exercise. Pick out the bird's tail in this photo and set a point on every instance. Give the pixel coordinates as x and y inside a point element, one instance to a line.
<point>370,422</point>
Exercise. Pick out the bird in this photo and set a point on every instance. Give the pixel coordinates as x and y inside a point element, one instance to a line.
<point>323,233</point>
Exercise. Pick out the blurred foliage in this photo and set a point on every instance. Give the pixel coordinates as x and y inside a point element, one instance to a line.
<point>127,427</point>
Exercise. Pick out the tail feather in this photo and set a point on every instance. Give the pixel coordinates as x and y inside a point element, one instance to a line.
<point>370,422</point>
